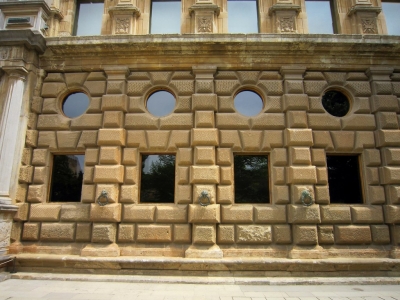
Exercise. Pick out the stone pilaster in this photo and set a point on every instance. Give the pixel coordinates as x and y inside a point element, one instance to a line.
<point>284,16</point>
<point>204,174</point>
<point>204,17</point>
<point>385,105</point>
<point>363,17</point>
<point>123,18</point>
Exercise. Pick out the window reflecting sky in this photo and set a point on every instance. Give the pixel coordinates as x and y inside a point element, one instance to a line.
<point>392,16</point>
<point>319,17</point>
<point>90,18</point>
<point>248,103</point>
<point>161,103</point>
<point>165,17</point>
<point>75,105</point>
<point>242,16</point>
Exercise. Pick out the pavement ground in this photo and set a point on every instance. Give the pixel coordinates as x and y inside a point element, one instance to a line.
<point>74,288</point>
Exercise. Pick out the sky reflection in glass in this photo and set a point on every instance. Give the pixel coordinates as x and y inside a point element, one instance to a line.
<point>242,16</point>
<point>392,16</point>
<point>165,17</point>
<point>90,19</point>
<point>75,105</point>
<point>319,17</point>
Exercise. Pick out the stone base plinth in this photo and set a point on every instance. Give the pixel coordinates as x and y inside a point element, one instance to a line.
<point>310,253</point>
<point>6,217</point>
<point>204,252</point>
<point>101,250</point>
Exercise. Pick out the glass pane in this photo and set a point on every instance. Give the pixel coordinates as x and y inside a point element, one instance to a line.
<point>336,103</point>
<point>161,103</point>
<point>157,183</point>
<point>344,179</point>
<point>319,17</point>
<point>392,16</point>
<point>165,17</point>
<point>90,19</point>
<point>75,105</point>
<point>242,16</point>
<point>66,180</point>
<point>248,103</point>
<point>251,179</point>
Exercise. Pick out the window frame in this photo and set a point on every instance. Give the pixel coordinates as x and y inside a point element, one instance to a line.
<point>268,179</point>
<point>140,165</point>
<point>360,178</point>
<point>334,15</point>
<point>51,170</point>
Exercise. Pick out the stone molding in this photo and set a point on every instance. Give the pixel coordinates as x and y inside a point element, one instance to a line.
<point>204,17</point>
<point>123,18</point>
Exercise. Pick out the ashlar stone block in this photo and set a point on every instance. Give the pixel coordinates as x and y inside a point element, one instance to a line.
<point>172,214</point>
<point>206,174</point>
<point>129,194</point>
<point>109,174</point>
<point>104,233</point>
<point>224,156</point>
<point>45,212</point>
<point>303,174</point>
<point>279,157</point>
<point>367,214</point>
<point>270,214</point>
<point>305,235</point>
<point>113,119</point>
<point>204,214</point>
<point>226,234</point>
<point>111,189</point>
<point>83,232</point>
<point>352,234</point>
<point>204,234</point>
<point>135,214</point>
<point>325,234</point>
<point>115,103</point>
<point>335,214</point>
<point>296,119</point>
<point>282,234</point>
<point>390,175</point>
<point>372,157</point>
<point>392,214</point>
<point>91,156</point>
<point>391,156</point>
<point>230,139</point>
<point>300,155</point>
<point>280,194</point>
<point>126,233</point>
<point>158,140</point>
<point>182,233</point>
<point>130,156</point>
<point>237,214</point>
<point>376,194</point>
<point>225,194</point>
<point>380,234</point>
<point>36,193</point>
<point>60,232</point>
<point>204,119</point>
<point>227,175</point>
<point>298,137</point>
<point>40,157</point>
<point>204,137</point>
<point>204,155</point>
<point>75,212</point>
<point>112,137</point>
<point>154,233</point>
<point>22,212</point>
<point>109,213</point>
<point>343,140</point>
<point>387,138</point>
<point>254,234</point>
<point>299,214</point>
<point>30,231</point>
<point>251,140</point>
<point>88,193</point>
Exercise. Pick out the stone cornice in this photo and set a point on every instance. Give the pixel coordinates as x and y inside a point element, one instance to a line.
<point>32,40</point>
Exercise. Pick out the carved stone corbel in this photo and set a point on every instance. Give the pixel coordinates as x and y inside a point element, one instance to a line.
<point>123,18</point>
<point>204,17</point>
<point>284,14</point>
<point>363,18</point>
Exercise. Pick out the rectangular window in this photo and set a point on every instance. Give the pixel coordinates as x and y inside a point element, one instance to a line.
<point>251,179</point>
<point>391,11</point>
<point>242,16</point>
<point>88,19</point>
<point>165,16</point>
<point>66,178</point>
<point>344,179</point>
<point>320,16</point>
<point>157,182</point>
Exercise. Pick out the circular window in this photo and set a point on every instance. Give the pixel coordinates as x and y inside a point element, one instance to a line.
<point>248,103</point>
<point>75,105</point>
<point>336,103</point>
<point>161,103</point>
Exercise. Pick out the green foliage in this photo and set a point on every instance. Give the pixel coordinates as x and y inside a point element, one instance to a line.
<point>157,185</point>
<point>251,179</point>
<point>66,184</point>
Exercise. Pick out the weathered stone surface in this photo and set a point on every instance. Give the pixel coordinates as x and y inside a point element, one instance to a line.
<point>352,234</point>
<point>204,214</point>
<point>77,212</point>
<point>172,214</point>
<point>335,214</point>
<point>108,213</point>
<point>182,233</point>
<point>325,234</point>
<point>154,233</point>
<point>305,235</point>
<point>204,234</point>
<point>30,231</point>
<point>226,234</point>
<point>392,214</point>
<point>126,233</point>
<point>104,233</point>
<point>237,214</point>
<point>254,234</point>
<point>134,213</point>
<point>22,212</point>
<point>380,234</point>
<point>45,212</point>
<point>61,232</point>
<point>298,214</point>
<point>282,234</point>
<point>83,232</point>
<point>270,214</point>
<point>368,215</point>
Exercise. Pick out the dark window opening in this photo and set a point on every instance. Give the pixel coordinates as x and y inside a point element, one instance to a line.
<point>157,183</point>
<point>66,179</point>
<point>336,103</point>
<point>242,16</point>
<point>320,16</point>
<point>89,18</point>
<point>344,179</point>
<point>165,16</point>
<point>251,179</point>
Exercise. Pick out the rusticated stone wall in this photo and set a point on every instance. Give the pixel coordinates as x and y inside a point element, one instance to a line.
<point>204,132</point>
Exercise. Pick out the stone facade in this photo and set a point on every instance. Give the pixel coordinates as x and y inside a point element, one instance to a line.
<point>118,70</point>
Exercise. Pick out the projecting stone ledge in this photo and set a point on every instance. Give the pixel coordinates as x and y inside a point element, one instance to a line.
<point>173,266</point>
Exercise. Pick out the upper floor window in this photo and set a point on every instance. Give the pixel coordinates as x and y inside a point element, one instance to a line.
<point>320,16</point>
<point>165,16</point>
<point>88,18</point>
<point>242,16</point>
<point>391,10</point>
